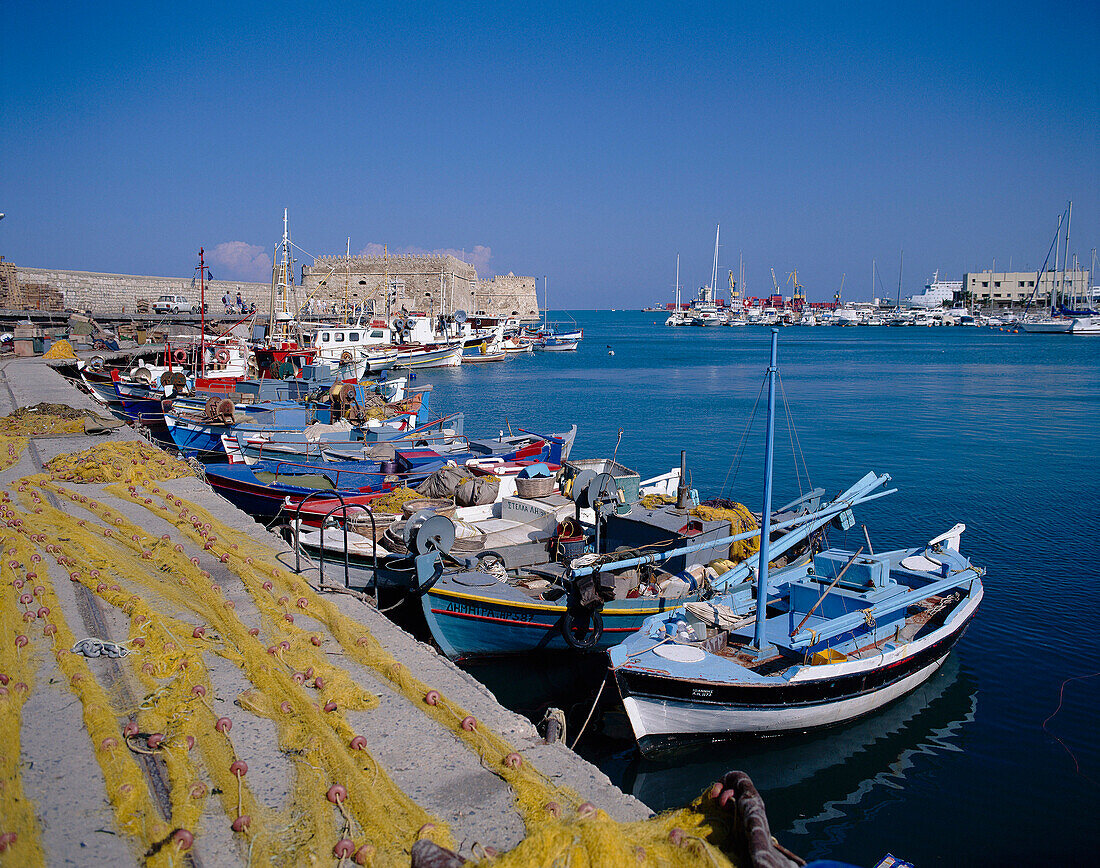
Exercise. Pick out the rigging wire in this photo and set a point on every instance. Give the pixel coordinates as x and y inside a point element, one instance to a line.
<point>796,448</point>
<point>735,463</point>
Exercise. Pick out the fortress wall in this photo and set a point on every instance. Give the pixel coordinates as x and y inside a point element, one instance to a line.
<point>119,293</point>
<point>417,283</point>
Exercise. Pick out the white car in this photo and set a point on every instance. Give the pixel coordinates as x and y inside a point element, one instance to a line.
<point>174,304</point>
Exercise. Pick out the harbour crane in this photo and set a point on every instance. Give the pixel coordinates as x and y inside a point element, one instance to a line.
<point>799,295</point>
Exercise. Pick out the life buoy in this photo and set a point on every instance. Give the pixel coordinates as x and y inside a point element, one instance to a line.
<point>591,621</point>
<point>180,356</point>
<point>346,357</point>
<point>223,357</point>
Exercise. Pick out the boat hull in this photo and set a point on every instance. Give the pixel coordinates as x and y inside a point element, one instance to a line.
<point>467,624</point>
<point>1048,327</point>
<point>666,711</point>
<point>441,357</point>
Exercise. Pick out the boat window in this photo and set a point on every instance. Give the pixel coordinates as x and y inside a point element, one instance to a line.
<point>339,337</point>
<point>354,336</point>
<point>326,337</point>
<point>377,333</point>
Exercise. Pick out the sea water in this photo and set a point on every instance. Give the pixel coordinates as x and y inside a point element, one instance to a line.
<point>992,429</point>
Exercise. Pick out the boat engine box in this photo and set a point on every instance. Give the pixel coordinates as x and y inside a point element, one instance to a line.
<point>646,527</point>
<point>866,571</point>
<point>542,513</point>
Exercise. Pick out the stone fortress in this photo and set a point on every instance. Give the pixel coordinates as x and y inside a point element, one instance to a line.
<point>416,283</point>
<point>426,283</point>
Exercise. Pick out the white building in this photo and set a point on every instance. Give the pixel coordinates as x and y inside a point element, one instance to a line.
<point>1014,288</point>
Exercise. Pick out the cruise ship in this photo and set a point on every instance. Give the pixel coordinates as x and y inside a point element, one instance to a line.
<point>936,292</point>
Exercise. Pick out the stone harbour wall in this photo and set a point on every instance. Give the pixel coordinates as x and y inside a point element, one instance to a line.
<point>119,293</point>
<point>416,283</point>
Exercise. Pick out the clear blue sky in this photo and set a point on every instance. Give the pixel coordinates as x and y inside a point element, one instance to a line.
<point>587,142</point>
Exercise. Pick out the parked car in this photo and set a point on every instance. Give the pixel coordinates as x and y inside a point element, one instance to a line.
<point>174,304</point>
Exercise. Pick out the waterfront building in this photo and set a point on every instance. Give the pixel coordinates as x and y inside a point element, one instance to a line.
<point>1014,288</point>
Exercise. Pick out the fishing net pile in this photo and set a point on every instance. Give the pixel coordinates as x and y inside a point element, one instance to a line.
<point>127,461</point>
<point>737,514</point>
<point>294,653</point>
<point>392,501</point>
<point>741,521</point>
<point>61,349</point>
<point>38,420</point>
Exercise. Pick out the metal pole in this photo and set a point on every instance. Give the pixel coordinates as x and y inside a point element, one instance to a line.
<point>759,642</point>
<point>202,313</point>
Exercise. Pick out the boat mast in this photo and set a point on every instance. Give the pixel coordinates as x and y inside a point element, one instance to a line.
<point>677,284</point>
<point>347,279</point>
<point>1057,253</point>
<point>901,265</point>
<point>202,314</point>
<point>760,644</point>
<point>282,277</point>
<point>741,279</point>
<point>714,266</point>
<point>1065,254</point>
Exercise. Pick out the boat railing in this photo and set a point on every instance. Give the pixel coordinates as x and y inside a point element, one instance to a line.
<point>342,508</point>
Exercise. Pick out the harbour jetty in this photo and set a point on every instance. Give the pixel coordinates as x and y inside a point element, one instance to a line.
<point>173,691</point>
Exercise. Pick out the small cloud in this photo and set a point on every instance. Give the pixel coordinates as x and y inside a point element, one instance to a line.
<point>242,261</point>
<point>478,257</point>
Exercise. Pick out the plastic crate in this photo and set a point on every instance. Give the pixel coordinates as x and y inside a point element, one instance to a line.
<point>628,481</point>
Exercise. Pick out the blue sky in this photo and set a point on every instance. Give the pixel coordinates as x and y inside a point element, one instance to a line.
<point>587,142</point>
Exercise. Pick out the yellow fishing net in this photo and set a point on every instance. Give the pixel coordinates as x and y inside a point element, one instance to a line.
<point>392,501</point>
<point>61,349</point>
<point>41,420</point>
<point>128,461</point>
<point>741,521</point>
<point>293,648</point>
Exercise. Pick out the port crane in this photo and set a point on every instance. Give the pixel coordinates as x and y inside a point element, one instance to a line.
<point>799,295</point>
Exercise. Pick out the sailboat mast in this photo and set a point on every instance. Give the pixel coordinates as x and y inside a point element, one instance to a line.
<point>759,643</point>
<point>901,265</point>
<point>1057,254</point>
<point>347,279</point>
<point>714,265</point>
<point>741,277</point>
<point>1065,254</point>
<point>202,314</point>
<point>677,284</point>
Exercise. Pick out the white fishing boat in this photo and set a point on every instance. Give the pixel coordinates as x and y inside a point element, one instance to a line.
<point>704,309</point>
<point>1086,325</point>
<point>678,317</point>
<point>820,642</point>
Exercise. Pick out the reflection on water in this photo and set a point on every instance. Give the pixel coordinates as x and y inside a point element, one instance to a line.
<point>817,787</point>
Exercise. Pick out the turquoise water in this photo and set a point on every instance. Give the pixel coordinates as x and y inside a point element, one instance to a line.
<point>988,428</point>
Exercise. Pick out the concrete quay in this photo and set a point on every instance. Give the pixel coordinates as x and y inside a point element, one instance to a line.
<point>66,782</point>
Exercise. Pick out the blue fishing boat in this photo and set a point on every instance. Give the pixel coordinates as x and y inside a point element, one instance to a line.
<point>819,643</point>
<point>517,596</point>
<point>259,489</point>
